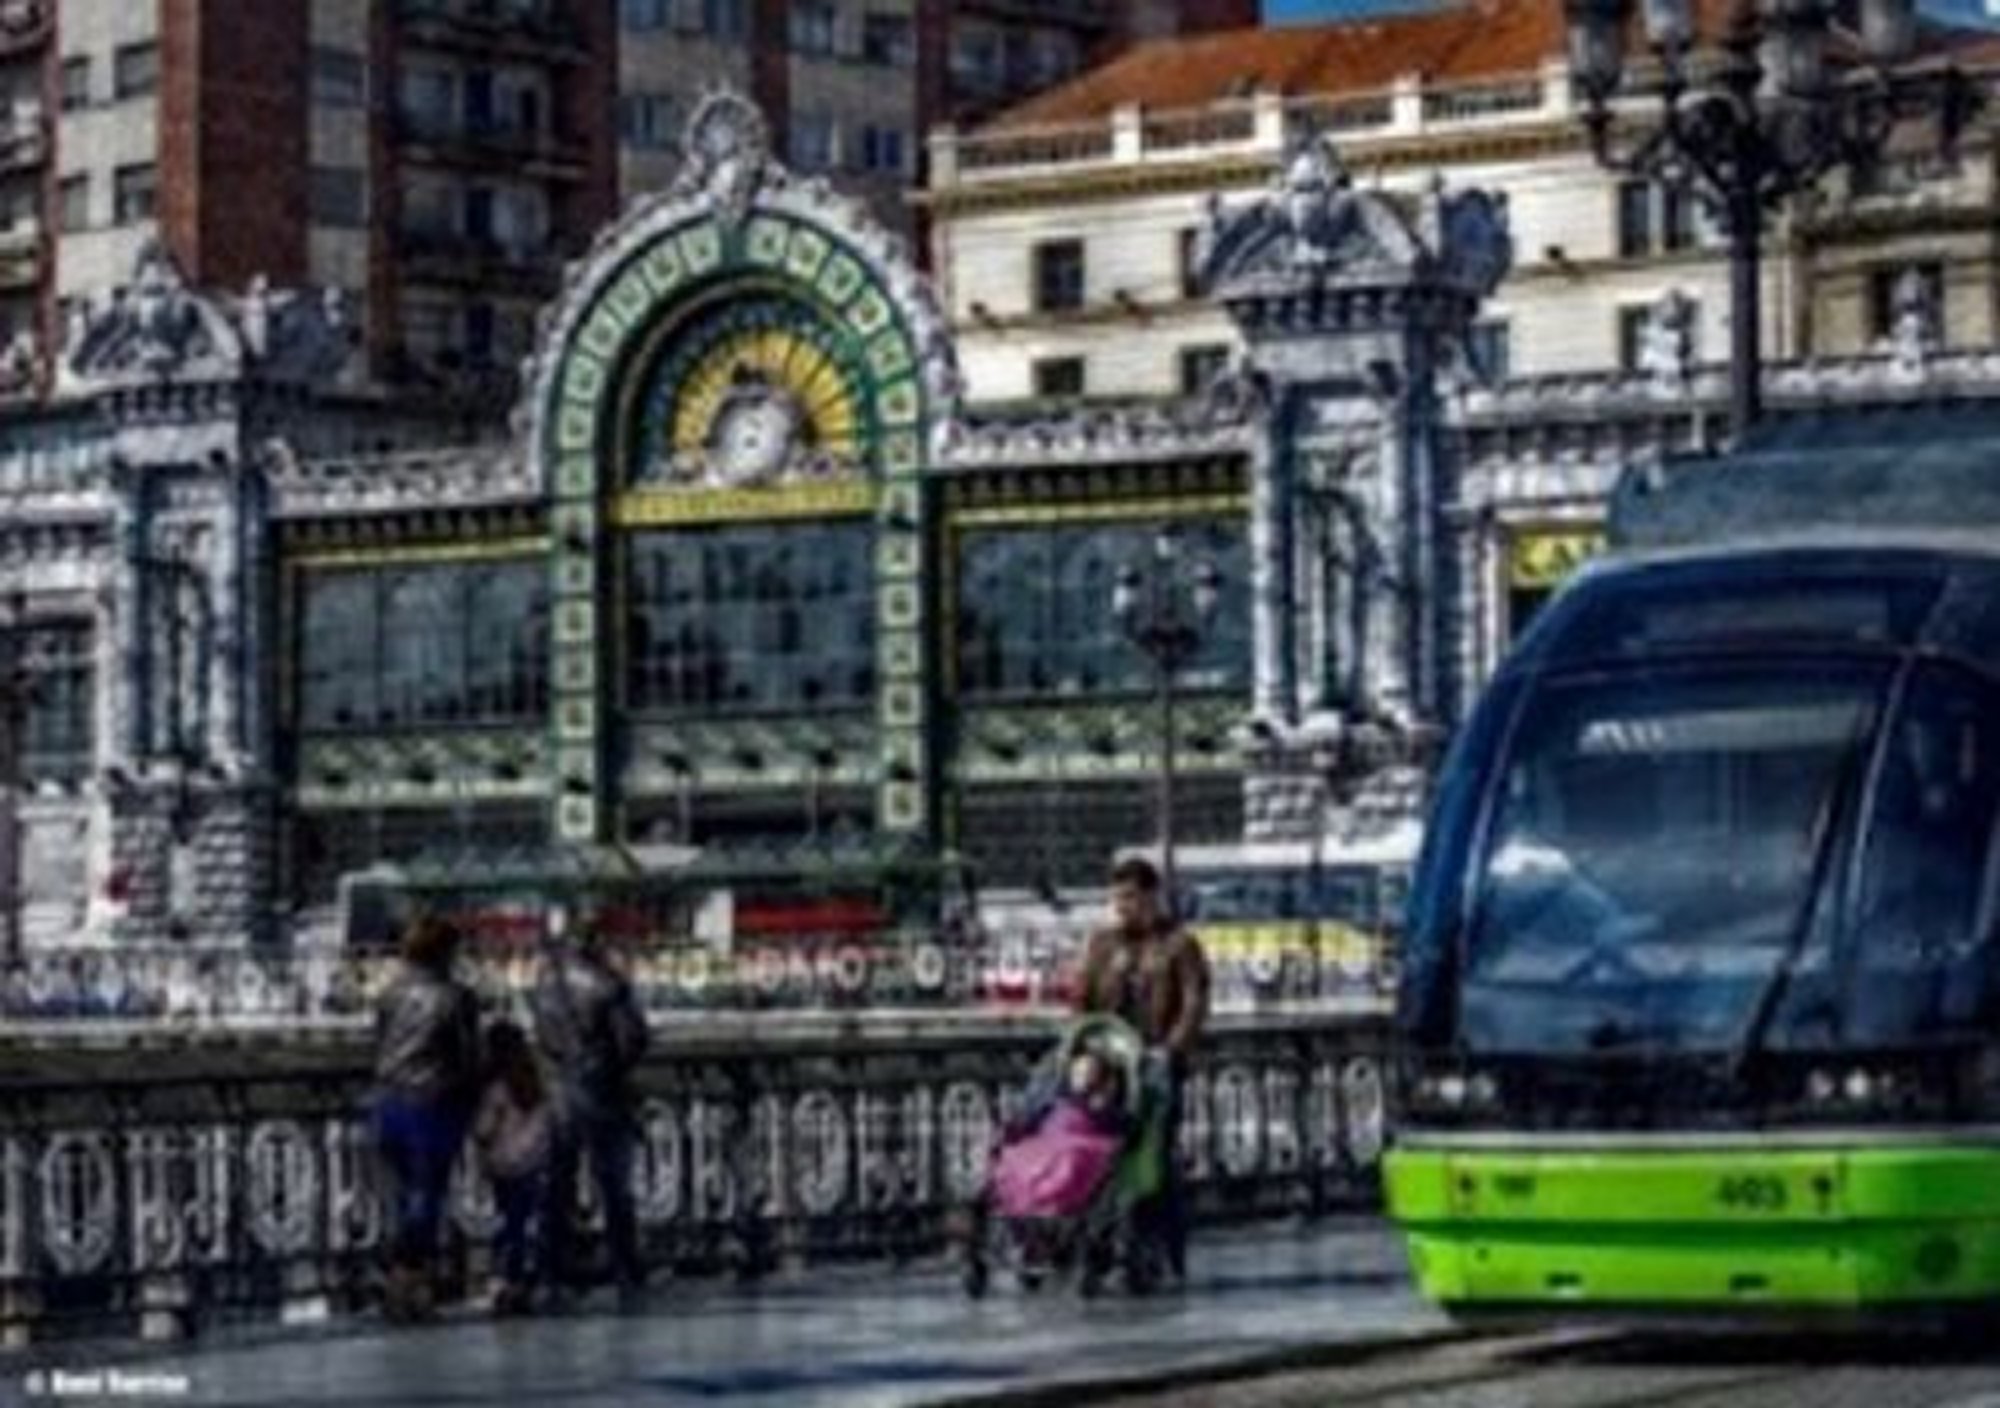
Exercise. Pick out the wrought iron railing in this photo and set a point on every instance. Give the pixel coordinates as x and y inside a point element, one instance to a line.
<point>162,1194</point>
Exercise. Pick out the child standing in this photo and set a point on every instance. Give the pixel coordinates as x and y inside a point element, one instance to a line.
<point>515,1132</point>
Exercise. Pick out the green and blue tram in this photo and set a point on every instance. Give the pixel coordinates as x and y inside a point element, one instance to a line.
<point>1700,1000</point>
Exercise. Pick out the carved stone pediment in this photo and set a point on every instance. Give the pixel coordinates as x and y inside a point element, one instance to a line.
<point>1315,229</point>
<point>154,328</point>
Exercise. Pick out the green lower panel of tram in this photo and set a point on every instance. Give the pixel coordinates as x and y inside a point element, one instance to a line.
<point>1801,1229</point>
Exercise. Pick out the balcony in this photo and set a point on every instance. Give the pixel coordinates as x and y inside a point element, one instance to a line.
<point>1391,119</point>
<point>23,146</point>
<point>534,30</point>
<point>1093,16</point>
<point>460,260</point>
<point>25,24</point>
<point>443,140</point>
<point>20,257</point>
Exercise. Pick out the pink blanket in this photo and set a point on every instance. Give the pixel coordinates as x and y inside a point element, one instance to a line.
<point>1055,1170</point>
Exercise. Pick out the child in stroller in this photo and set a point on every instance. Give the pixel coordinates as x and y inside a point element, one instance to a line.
<point>1072,1169</point>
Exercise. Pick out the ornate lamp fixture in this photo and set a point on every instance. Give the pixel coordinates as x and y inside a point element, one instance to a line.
<point>1792,90</point>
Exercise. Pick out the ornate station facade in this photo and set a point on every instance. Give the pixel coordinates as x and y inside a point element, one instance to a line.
<point>744,572</point>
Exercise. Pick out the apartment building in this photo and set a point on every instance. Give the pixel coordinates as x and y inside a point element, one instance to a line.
<point>850,86</point>
<point>1064,233</point>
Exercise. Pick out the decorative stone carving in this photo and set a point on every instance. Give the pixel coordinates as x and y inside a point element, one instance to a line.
<point>158,329</point>
<point>21,366</point>
<point>1666,345</point>
<point>1314,224</point>
<point>728,150</point>
<point>1914,329</point>
<point>153,328</point>
<point>299,335</point>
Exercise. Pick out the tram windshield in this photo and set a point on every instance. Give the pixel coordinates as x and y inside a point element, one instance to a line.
<point>1652,856</point>
<point>1696,859</point>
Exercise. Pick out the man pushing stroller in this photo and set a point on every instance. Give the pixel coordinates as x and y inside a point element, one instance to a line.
<point>1151,973</point>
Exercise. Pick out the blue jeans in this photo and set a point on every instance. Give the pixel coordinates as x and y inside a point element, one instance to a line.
<point>520,1201</point>
<point>419,1140</point>
<point>610,1139</point>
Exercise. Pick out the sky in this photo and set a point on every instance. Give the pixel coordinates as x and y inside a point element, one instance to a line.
<point>1288,11</point>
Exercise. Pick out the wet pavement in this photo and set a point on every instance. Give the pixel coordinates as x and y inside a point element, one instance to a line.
<point>827,1338</point>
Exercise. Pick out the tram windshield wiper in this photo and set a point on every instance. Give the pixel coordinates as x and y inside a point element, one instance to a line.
<point>1825,846</point>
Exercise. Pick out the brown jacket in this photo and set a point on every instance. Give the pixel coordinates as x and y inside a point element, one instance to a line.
<point>1172,983</point>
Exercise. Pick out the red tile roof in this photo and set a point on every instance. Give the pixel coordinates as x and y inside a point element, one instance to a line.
<point>1461,43</point>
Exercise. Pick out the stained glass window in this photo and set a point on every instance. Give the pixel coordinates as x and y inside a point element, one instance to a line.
<point>418,647</point>
<point>1034,609</point>
<point>763,619</point>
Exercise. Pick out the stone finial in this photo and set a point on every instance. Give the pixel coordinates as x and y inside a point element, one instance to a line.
<point>728,149</point>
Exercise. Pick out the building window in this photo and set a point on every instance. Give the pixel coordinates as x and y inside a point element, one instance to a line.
<point>58,736</point>
<point>885,40</point>
<point>812,26</point>
<point>976,60</point>
<point>1633,323</point>
<point>882,149</point>
<point>1058,376</point>
<point>646,120</point>
<point>813,141</point>
<point>339,78</point>
<point>427,98</point>
<point>745,620</point>
<point>407,648</point>
<point>1491,345</point>
<point>639,16</point>
<point>135,70</point>
<point>133,189</point>
<point>1058,276</point>
<point>1033,615</point>
<point>1885,286</point>
<point>73,197</point>
<point>339,196</point>
<point>1188,247</point>
<point>726,20</point>
<point>76,83</point>
<point>1201,365</point>
<point>480,327</point>
<point>1654,218</point>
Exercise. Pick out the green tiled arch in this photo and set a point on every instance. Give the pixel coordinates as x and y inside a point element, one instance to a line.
<point>581,440</point>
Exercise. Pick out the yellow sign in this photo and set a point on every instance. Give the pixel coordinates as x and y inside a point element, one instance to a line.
<point>1542,558</point>
<point>658,507</point>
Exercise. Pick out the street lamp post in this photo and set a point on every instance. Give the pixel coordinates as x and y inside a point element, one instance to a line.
<point>1167,615</point>
<point>1766,119</point>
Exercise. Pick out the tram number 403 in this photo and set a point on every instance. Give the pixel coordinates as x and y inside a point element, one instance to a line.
<point>1751,1192</point>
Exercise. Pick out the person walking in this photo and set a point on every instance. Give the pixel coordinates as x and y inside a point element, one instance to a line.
<point>590,1027</point>
<point>1151,973</point>
<point>426,1077</point>
<point>514,1131</point>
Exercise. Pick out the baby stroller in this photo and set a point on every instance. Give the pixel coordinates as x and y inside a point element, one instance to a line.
<point>1073,1174</point>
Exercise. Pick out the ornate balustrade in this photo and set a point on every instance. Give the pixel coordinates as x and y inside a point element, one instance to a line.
<point>233,1177</point>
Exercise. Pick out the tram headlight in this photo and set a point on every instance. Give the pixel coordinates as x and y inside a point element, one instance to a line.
<point>1822,1087</point>
<point>1454,1092</point>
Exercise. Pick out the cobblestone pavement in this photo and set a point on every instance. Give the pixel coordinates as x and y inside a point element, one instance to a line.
<point>827,1339</point>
